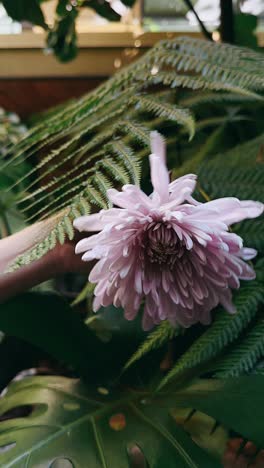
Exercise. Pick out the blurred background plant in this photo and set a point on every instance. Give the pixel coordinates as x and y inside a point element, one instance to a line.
<point>62,36</point>
<point>236,20</point>
<point>11,132</point>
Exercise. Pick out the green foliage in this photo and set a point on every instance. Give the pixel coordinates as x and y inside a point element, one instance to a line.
<point>62,37</point>
<point>203,430</point>
<point>71,422</point>
<point>163,333</point>
<point>71,341</point>
<point>235,172</point>
<point>11,131</point>
<point>229,402</point>
<point>224,330</point>
<point>243,357</point>
<point>100,139</point>
<point>80,150</point>
<point>25,10</point>
<point>180,115</point>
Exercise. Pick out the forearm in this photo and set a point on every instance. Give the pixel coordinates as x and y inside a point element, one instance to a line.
<point>12,246</point>
<point>60,260</point>
<point>28,276</point>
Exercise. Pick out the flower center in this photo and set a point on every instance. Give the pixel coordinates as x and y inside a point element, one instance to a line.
<point>162,245</point>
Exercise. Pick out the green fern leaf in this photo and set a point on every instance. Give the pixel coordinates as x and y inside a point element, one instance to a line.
<point>244,356</point>
<point>101,131</point>
<point>116,170</point>
<point>172,112</point>
<point>128,158</point>
<point>224,330</point>
<point>135,131</point>
<point>156,339</point>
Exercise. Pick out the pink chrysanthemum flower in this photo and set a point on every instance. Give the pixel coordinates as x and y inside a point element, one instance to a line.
<point>168,249</point>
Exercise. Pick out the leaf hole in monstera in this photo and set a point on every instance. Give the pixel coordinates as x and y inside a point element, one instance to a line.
<point>136,457</point>
<point>5,448</point>
<point>62,463</point>
<point>17,412</point>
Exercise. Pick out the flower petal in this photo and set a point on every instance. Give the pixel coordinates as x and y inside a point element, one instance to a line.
<point>181,189</point>
<point>130,198</point>
<point>159,179</point>
<point>232,210</point>
<point>158,145</point>
<point>91,222</point>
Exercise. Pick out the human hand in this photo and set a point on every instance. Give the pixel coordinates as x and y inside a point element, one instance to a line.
<point>60,260</point>
<point>65,260</point>
<point>246,457</point>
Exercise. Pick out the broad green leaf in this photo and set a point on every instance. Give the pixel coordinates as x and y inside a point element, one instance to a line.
<point>48,322</point>
<point>103,8</point>
<point>21,356</point>
<point>203,430</point>
<point>237,403</point>
<point>28,10</point>
<point>91,428</point>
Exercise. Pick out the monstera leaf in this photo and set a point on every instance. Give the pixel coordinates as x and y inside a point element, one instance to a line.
<point>90,428</point>
<point>71,425</point>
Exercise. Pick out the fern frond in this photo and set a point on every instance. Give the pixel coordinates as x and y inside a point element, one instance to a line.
<point>244,356</point>
<point>221,180</point>
<point>44,239</point>
<point>115,169</point>
<point>102,184</point>
<point>117,108</point>
<point>172,112</point>
<point>213,71</point>
<point>128,158</point>
<point>170,78</point>
<point>229,64</point>
<point>244,153</point>
<point>163,333</point>
<point>223,331</point>
<point>84,206</point>
<point>259,269</point>
<point>252,233</point>
<point>201,98</point>
<point>135,131</point>
<point>107,130</point>
<point>68,224</point>
<point>208,147</point>
<point>226,55</point>
<point>95,197</point>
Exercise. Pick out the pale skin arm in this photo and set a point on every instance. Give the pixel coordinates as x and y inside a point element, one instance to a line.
<point>62,259</point>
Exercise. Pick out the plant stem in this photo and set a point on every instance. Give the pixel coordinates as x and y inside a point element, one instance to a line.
<point>227,21</point>
<point>206,33</point>
<point>6,230</point>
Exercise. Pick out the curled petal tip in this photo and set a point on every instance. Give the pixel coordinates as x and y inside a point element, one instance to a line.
<point>76,250</point>
<point>80,223</point>
<point>82,246</point>
<point>76,223</point>
<point>254,209</point>
<point>157,145</point>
